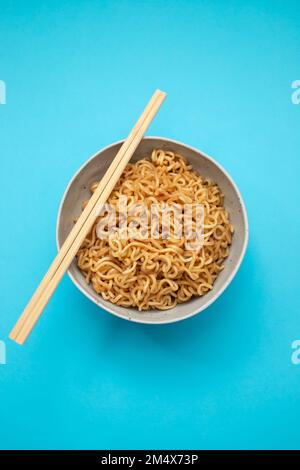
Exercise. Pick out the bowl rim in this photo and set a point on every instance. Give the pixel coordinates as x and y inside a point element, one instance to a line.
<point>227,281</point>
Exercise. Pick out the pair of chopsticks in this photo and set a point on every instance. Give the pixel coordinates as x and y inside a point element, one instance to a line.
<point>68,251</point>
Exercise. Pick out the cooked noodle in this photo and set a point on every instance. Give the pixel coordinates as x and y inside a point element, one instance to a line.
<point>158,273</point>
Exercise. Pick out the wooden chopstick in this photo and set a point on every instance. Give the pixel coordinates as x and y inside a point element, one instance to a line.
<point>77,227</point>
<point>73,242</point>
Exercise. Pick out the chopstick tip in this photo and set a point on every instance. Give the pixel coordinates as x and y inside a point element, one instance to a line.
<point>161,92</point>
<point>14,337</point>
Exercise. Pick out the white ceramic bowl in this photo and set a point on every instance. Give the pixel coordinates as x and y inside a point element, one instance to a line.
<point>94,169</point>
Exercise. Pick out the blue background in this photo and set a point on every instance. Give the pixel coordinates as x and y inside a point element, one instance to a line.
<point>78,73</point>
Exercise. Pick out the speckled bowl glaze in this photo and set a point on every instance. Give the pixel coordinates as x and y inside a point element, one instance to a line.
<point>94,169</point>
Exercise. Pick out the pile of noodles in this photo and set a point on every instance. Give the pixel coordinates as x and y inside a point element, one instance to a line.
<point>158,273</point>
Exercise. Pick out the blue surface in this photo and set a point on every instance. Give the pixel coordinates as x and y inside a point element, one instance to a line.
<point>77,74</point>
